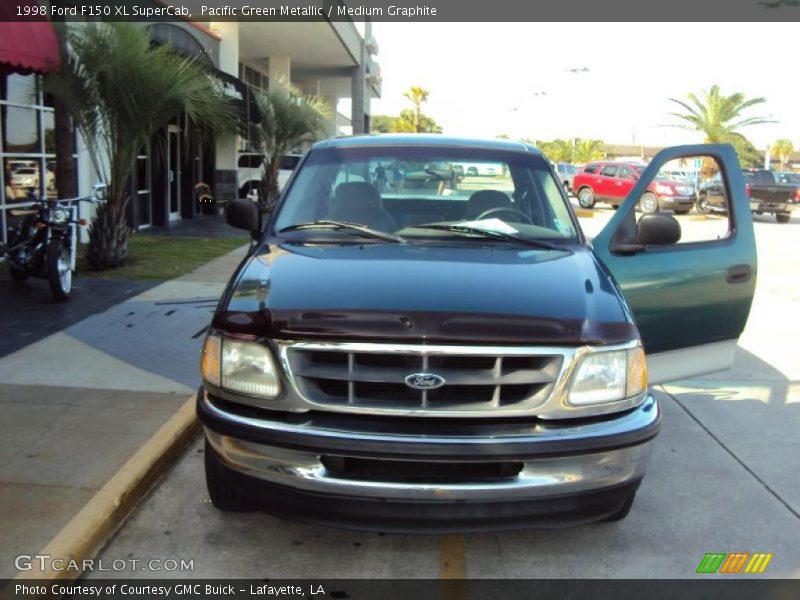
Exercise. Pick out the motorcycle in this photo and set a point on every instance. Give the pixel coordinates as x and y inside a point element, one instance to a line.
<point>44,242</point>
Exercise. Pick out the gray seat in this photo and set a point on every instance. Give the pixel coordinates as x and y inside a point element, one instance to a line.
<point>484,200</point>
<point>359,202</point>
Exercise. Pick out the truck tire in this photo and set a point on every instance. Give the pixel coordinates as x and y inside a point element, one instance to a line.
<point>586,197</point>
<point>222,486</point>
<point>702,205</point>
<point>783,217</point>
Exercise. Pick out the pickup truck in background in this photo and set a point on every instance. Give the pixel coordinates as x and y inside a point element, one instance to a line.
<point>766,194</point>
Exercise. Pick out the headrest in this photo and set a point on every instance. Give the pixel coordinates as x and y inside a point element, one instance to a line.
<point>356,194</point>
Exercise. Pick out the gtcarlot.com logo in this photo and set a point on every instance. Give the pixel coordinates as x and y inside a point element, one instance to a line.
<point>734,563</point>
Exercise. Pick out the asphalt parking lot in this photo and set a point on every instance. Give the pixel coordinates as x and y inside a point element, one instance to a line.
<point>723,478</point>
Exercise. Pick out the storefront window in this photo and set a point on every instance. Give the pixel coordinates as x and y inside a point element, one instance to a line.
<point>27,144</point>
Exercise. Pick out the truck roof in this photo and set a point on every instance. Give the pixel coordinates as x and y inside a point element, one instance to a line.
<point>424,139</point>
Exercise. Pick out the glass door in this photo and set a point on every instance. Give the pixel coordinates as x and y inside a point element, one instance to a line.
<point>174,171</point>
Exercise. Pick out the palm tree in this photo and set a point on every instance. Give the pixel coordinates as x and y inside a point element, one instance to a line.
<point>559,151</point>
<point>121,93</point>
<point>717,116</point>
<point>417,95</point>
<point>782,149</point>
<point>586,151</point>
<point>288,118</point>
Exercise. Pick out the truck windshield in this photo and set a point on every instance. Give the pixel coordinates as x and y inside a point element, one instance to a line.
<point>396,189</point>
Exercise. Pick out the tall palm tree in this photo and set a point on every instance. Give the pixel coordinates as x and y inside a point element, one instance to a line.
<point>288,118</point>
<point>121,93</point>
<point>719,117</point>
<point>588,150</point>
<point>417,95</point>
<point>716,115</point>
<point>782,149</point>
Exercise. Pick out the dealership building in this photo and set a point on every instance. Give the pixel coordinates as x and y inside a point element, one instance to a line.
<point>335,60</point>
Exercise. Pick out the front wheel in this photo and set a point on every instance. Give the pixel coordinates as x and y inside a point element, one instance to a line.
<point>648,203</point>
<point>59,270</point>
<point>702,205</point>
<point>586,197</point>
<point>783,217</point>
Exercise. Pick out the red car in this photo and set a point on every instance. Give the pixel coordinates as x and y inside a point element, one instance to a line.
<point>612,181</point>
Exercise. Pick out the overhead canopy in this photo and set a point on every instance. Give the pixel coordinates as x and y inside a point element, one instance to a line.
<point>26,45</point>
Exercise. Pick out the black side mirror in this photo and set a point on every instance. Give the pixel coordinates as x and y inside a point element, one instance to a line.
<point>658,229</point>
<point>244,214</point>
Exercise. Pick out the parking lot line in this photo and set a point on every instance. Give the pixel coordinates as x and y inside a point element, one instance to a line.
<point>453,567</point>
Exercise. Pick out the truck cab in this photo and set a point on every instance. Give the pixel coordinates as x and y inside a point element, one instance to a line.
<point>411,360</point>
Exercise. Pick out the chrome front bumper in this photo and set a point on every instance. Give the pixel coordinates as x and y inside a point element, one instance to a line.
<point>558,459</point>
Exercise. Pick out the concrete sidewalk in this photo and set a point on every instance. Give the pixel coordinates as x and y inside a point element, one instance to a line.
<point>79,403</point>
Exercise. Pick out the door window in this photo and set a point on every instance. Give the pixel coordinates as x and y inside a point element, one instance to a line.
<point>609,171</point>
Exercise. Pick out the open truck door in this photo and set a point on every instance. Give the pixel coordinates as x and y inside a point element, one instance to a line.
<point>690,291</point>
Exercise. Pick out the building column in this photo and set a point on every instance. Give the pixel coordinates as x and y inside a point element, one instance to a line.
<point>226,186</point>
<point>358,94</point>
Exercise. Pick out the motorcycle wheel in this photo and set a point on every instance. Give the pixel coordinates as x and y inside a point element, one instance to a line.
<point>18,275</point>
<point>59,273</point>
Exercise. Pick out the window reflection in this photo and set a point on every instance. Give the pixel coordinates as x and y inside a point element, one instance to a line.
<point>20,130</point>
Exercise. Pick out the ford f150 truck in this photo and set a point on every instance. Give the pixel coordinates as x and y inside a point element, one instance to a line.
<point>765,193</point>
<point>409,360</point>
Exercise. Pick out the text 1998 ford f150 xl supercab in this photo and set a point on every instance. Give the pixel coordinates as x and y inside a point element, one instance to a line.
<point>432,359</point>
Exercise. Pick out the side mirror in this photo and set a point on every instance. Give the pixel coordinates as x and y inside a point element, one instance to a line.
<point>99,191</point>
<point>244,214</point>
<point>657,229</point>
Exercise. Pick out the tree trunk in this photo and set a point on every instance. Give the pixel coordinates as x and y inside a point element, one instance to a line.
<point>269,192</point>
<point>64,135</point>
<point>108,237</point>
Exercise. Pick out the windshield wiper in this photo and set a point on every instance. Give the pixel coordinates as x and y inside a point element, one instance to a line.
<point>354,228</point>
<point>487,233</point>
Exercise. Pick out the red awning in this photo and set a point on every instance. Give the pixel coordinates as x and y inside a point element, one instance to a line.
<point>26,45</point>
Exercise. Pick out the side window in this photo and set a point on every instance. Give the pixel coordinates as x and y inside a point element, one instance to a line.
<point>699,200</point>
<point>624,172</point>
<point>590,169</point>
<point>609,171</point>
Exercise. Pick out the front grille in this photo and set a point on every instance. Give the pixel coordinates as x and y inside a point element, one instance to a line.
<point>376,378</point>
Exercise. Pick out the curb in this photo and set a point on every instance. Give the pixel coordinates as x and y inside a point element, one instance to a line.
<point>88,531</point>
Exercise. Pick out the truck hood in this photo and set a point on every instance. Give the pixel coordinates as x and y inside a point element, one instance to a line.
<point>425,294</point>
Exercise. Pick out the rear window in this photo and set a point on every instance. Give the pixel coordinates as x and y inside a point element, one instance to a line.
<point>250,161</point>
<point>759,177</point>
<point>591,168</point>
<point>288,163</point>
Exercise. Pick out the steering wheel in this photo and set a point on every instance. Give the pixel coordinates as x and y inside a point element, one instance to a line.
<point>506,209</point>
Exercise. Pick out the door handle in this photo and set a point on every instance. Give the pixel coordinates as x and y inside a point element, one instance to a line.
<point>738,274</point>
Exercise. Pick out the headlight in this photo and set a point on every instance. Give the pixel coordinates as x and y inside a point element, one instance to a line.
<point>664,189</point>
<point>58,216</point>
<point>240,366</point>
<point>603,377</point>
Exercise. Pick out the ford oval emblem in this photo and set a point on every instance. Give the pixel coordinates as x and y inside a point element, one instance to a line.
<point>424,381</point>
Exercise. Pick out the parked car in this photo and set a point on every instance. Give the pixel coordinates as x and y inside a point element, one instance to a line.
<point>413,361</point>
<point>611,182</point>
<point>566,175</point>
<point>288,164</point>
<point>24,179</point>
<point>765,192</point>
<point>251,168</point>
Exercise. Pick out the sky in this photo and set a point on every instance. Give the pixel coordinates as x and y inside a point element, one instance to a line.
<point>487,79</point>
